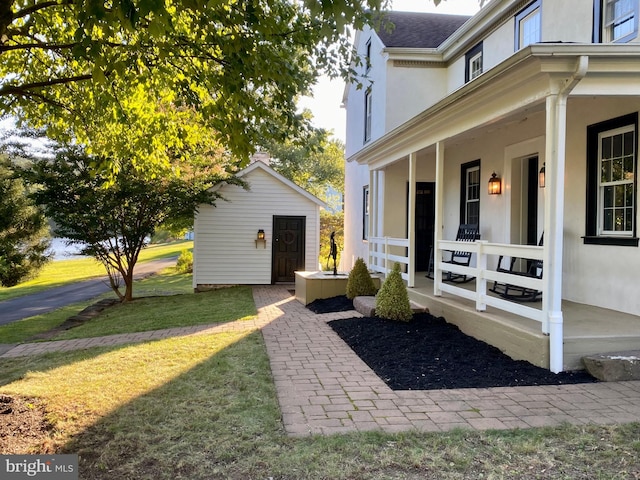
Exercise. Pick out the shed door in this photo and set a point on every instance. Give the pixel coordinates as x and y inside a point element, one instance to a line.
<point>288,248</point>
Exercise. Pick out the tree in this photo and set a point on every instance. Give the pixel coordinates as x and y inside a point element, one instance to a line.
<point>240,63</point>
<point>24,232</point>
<point>112,218</point>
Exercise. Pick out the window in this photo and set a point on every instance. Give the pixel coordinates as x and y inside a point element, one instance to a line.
<point>612,181</point>
<point>367,115</point>
<point>620,20</point>
<point>528,26</point>
<point>473,65</point>
<point>470,193</point>
<point>365,212</point>
<point>367,58</point>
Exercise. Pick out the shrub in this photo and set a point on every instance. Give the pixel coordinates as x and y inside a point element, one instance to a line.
<point>360,282</point>
<point>185,262</point>
<point>392,301</point>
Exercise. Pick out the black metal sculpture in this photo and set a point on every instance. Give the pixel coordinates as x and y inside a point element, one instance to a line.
<point>333,252</point>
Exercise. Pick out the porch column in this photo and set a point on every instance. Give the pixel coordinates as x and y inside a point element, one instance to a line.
<point>411,221</point>
<point>553,231</point>
<point>439,216</point>
<point>556,131</point>
<point>373,191</point>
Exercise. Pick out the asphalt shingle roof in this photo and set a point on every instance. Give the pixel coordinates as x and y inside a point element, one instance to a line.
<point>418,30</point>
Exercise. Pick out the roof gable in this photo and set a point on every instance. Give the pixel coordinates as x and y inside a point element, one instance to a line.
<point>418,30</point>
<point>262,166</point>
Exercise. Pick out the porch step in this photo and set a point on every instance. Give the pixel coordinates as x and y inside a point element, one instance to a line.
<point>367,306</point>
<point>614,367</point>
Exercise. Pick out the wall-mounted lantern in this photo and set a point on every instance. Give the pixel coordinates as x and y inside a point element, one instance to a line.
<point>495,184</point>
<point>261,239</point>
<point>541,176</point>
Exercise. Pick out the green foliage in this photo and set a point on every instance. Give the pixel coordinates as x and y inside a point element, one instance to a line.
<point>316,165</point>
<point>185,262</point>
<point>112,220</point>
<point>102,73</point>
<point>360,282</point>
<point>24,232</point>
<point>392,301</point>
<point>330,222</point>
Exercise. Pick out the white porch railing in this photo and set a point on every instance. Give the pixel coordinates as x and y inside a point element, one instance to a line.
<point>381,260</point>
<point>484,249</point>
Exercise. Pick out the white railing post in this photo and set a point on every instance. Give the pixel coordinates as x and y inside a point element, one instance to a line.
<point>386,257</point>
<point>481,281</point>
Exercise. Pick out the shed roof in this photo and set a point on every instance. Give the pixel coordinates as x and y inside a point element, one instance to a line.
<point>418,30</point>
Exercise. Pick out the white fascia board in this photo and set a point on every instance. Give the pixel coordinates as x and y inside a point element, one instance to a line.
<point>546,59</point>
<point>487,17</point>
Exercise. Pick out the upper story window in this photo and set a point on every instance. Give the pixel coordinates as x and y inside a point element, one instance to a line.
<point>367,115</point>
<point>473,63</point>
<point>528,25</point>
<point>620,20</point>
<point>612,181</point>
<point>367,56</point>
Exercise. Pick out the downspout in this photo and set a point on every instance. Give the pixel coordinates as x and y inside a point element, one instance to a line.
<point>554,217</point>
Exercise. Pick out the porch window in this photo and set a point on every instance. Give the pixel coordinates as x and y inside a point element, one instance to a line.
<point>528,26</point>
<point>470,193</point>
<point>367,115</point>
<point>365,212</point>
<point>620,20</point>
<point>612,181</point>
<point>473,65</point>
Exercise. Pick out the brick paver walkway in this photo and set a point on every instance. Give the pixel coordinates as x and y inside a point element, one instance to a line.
<point>324,388</point>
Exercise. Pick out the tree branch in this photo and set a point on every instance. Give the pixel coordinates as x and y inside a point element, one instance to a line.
<point>25,89</point>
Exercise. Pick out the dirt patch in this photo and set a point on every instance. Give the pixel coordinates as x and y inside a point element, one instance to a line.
<point>24,427</point>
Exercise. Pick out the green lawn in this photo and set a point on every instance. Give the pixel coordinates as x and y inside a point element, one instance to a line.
<point>205,407</point>
<point>62,272</point>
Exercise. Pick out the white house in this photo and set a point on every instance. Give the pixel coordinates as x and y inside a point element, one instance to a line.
<point>256,236</point>
<point>523,89</point>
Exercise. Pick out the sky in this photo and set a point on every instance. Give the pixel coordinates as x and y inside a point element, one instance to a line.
<point>327,94</point>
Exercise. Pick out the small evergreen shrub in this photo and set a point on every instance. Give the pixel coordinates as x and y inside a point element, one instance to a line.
<point>360,282</point>
<point>185,262</point>
<point>392,302</point>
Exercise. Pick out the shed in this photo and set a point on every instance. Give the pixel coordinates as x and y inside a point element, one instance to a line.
<point>227,247</point>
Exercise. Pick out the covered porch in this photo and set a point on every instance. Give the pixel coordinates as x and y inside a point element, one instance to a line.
<point>512,113</point>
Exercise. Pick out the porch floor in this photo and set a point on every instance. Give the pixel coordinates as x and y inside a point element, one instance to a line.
<point>587,330</point>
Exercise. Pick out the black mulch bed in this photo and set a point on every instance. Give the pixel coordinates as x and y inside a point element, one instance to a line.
<point>328,305</point>
<point>430,354</point>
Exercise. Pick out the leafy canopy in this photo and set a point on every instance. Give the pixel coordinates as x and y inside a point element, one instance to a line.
<point>91,71</point>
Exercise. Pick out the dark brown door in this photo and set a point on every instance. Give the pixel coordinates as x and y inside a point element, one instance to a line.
<point>288,247</point>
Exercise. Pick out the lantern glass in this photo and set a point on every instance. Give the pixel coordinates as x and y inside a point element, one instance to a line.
<point>495,185</point>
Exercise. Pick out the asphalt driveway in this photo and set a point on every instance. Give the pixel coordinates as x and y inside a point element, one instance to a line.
<point>53,298</point>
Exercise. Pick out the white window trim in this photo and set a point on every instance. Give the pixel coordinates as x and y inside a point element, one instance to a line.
<point>607,24</point>
<point>467,200</point>
<point>601,185</point>
<point>367,115</point>
<point>534,9</point>
<point>475,72</point>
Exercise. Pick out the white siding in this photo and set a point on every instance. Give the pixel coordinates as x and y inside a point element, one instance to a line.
<point>225,249</point>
